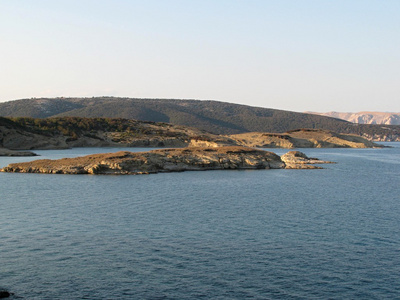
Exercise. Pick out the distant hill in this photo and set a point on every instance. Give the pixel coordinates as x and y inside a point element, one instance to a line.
<point>213,116</point>
<point>365,117</point>
<point>55,133</point>
<point>58,133</point>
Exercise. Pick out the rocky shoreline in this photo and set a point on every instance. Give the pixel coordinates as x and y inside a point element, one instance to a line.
<point>63,133</point>
<point>8,152</point>
<point>303,138</point>
<point>169,160</point>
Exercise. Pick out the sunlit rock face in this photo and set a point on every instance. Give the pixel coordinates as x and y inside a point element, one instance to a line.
<point>165,160</point>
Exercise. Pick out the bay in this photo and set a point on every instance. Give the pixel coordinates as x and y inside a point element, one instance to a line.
<point>262,234</point>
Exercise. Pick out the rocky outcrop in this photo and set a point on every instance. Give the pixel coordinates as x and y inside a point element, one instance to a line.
<point>303,138</point>
<point>165,160</point>
<point>298,160</point>
<point>365,117</point>
<point>388,137</point>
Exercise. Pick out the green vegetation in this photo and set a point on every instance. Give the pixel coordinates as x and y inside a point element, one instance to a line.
<point>75,127</point>
<point>213,116</point>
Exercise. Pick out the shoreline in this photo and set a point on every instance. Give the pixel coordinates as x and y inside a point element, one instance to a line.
<point>169,160</point>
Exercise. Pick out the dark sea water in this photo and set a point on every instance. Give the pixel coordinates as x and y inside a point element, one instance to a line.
<point>263,234</point>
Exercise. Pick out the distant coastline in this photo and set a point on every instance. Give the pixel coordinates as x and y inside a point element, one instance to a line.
<point>216,117</point>
<point>62,133</point>
<point>365,117</point>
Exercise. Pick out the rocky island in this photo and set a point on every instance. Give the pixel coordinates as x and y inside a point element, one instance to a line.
<point>169,160</point>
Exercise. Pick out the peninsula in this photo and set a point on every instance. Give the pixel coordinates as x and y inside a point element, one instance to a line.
<point>68,132</point>
<point>169,160</point>
<point>303,138</point>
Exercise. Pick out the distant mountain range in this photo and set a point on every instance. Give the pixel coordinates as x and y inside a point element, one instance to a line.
<point>365,117</point>
<point>212,116</point>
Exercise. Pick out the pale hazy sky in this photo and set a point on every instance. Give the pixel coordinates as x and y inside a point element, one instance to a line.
<point>295,55</point>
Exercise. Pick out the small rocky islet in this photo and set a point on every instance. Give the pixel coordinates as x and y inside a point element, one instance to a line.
<point>169,160</point>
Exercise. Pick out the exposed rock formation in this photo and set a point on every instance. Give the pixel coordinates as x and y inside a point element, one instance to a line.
<point>303,138</point>
<point>165,160</point>
<point>365,117</point>
<point>298,160</point>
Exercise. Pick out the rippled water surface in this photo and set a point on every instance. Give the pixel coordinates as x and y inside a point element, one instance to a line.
<point>265,234</point>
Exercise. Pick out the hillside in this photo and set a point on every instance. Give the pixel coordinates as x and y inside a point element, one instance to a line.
<point>303,138</point>
<point>366,117</point>
<point>213,116</point>
<point>56,133</point>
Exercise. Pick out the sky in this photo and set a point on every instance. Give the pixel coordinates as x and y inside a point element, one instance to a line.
<point>309,55</point>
